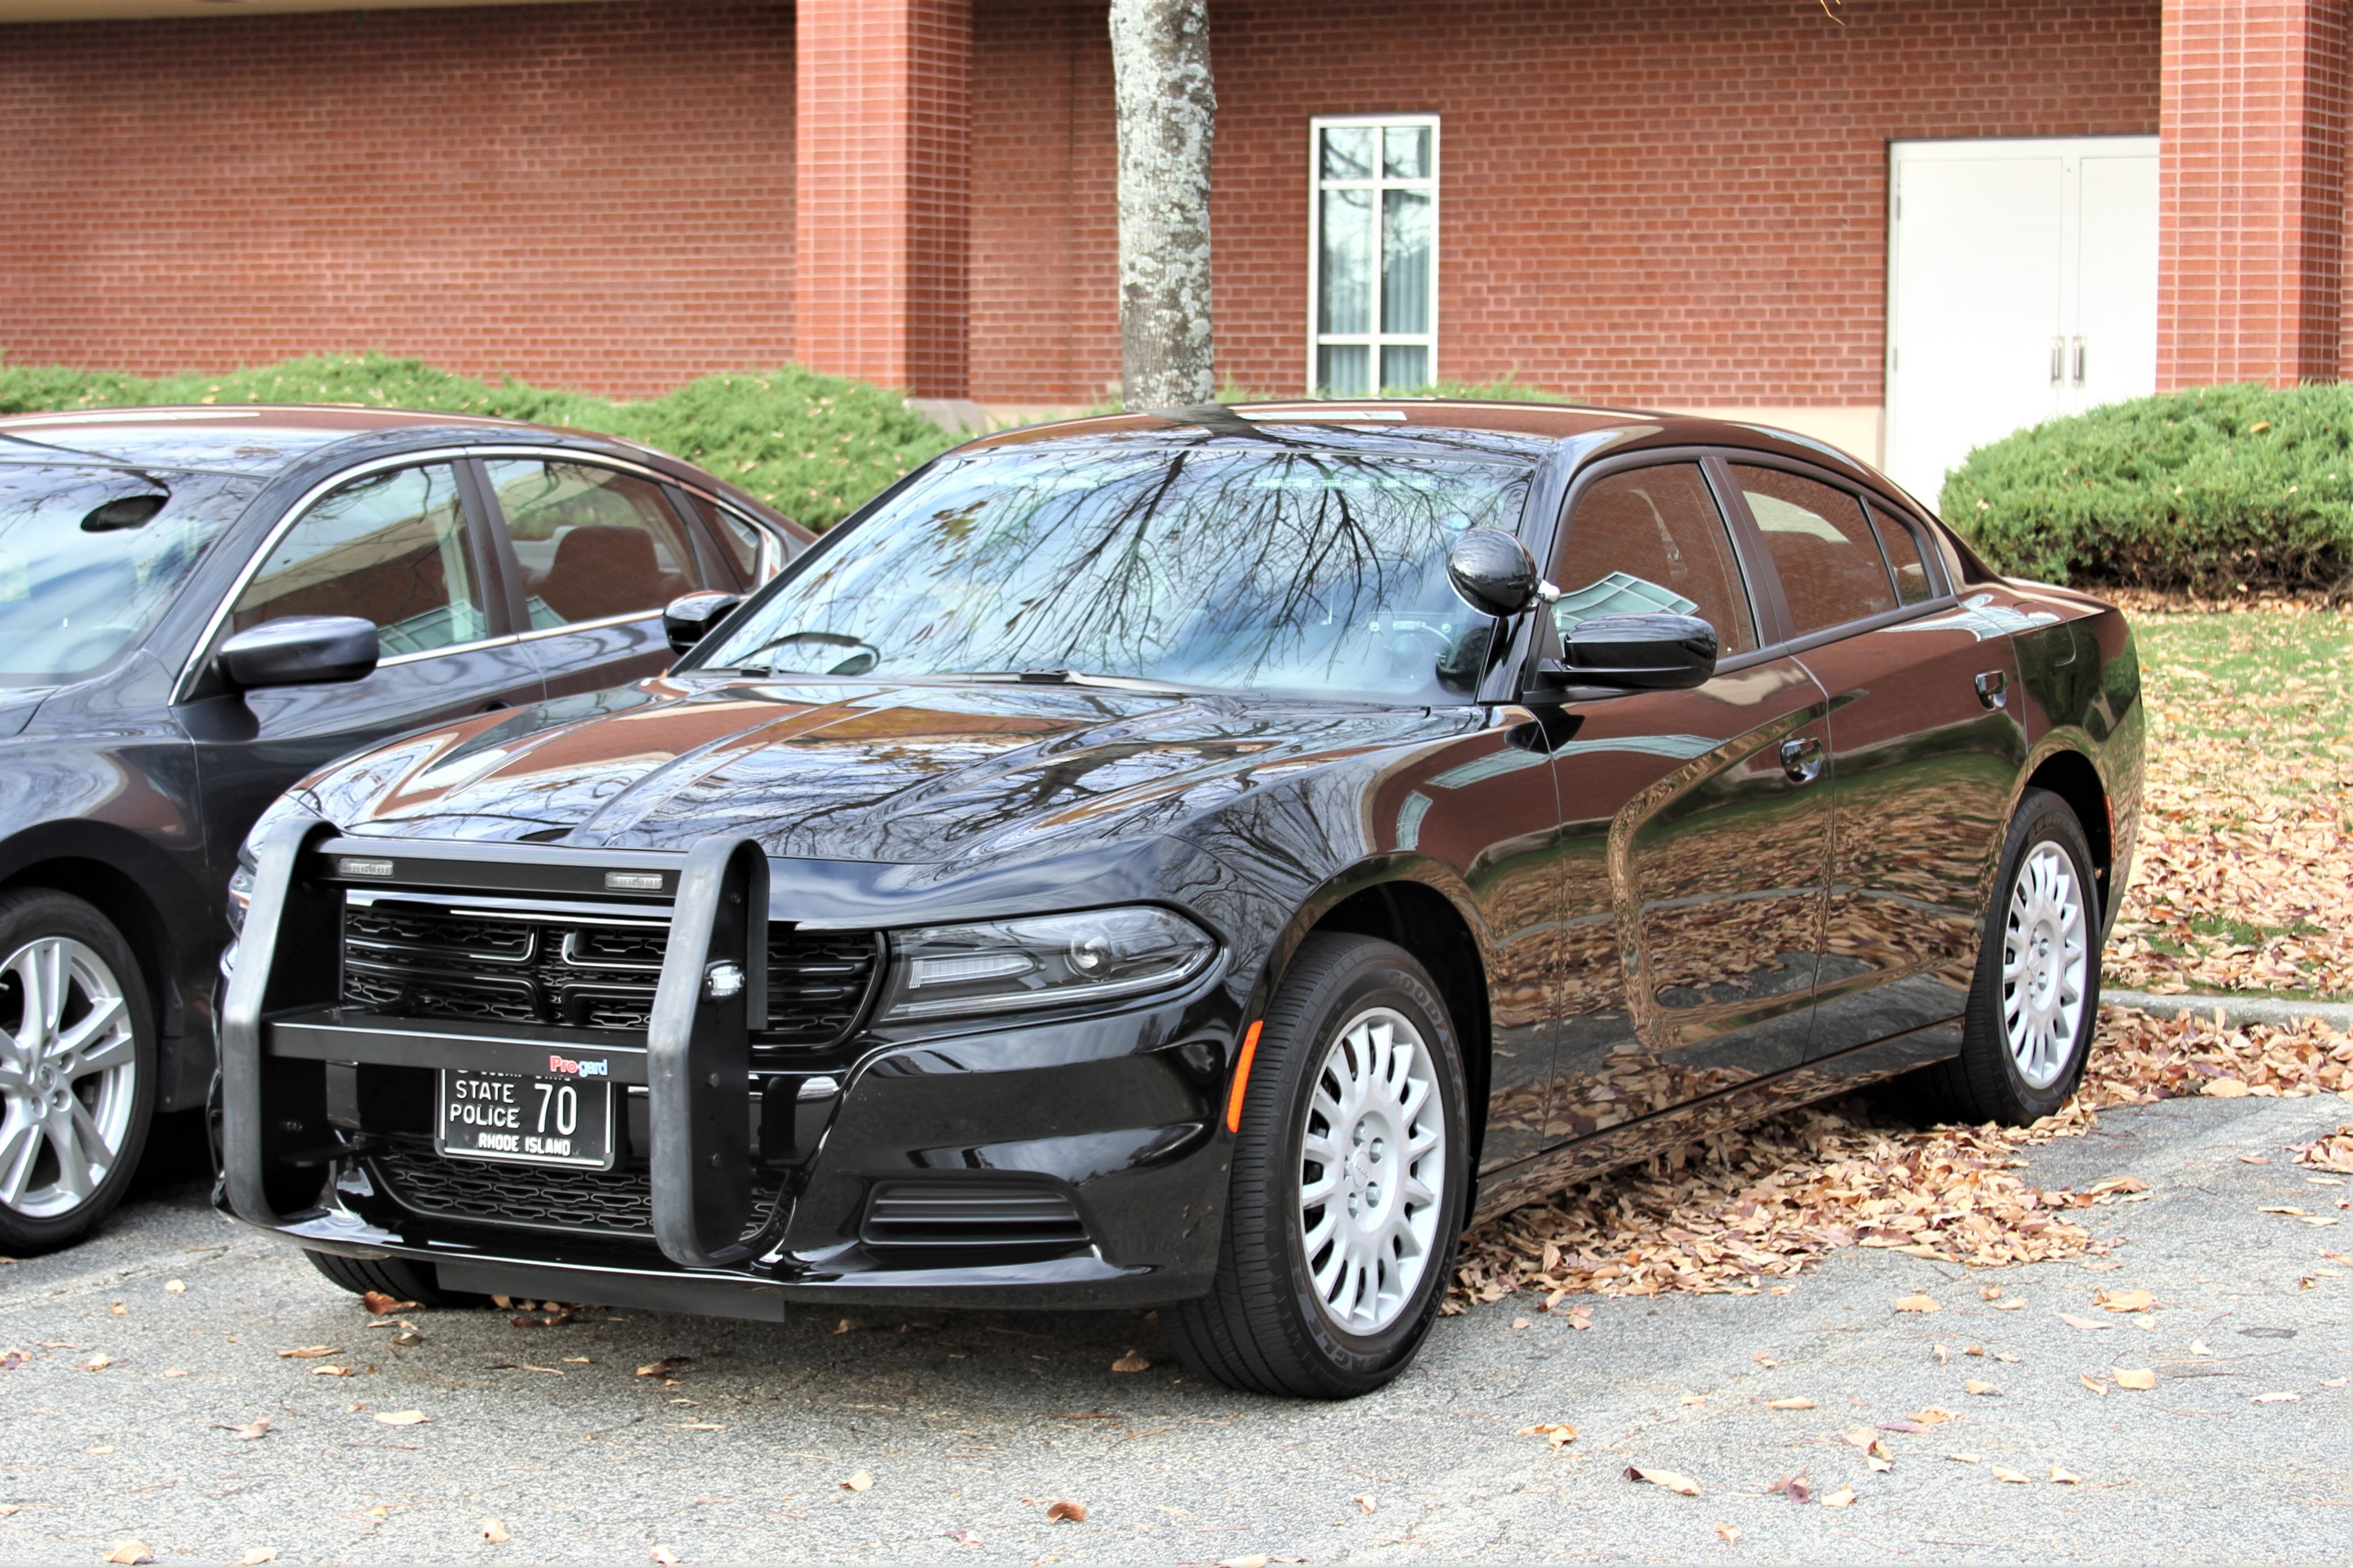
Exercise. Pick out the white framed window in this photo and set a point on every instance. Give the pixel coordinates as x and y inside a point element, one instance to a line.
<point>1372,264</point>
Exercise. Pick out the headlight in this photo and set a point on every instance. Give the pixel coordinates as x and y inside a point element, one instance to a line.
<point>240,896</point>
<point>1048,960</point>
<point>293,802</point>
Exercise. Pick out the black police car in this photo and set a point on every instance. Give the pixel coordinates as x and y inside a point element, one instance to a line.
<point>1200,858</point>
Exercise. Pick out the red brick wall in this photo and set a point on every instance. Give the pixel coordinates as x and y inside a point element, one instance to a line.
<point>1045,271</point>
<point>2251,192</point>
<point>884,187</point>
<point>1676,200</point>
<point>596,195</point>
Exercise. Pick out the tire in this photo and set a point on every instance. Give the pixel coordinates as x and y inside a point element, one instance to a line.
<point>393,1277</point>
<point>2022,1056</point>
<point>1287,1315</point>
<point>78,1084</point>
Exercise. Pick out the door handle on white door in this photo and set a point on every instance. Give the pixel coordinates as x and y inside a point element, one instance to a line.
<point>2058,361</point>
<point>2079,361</point>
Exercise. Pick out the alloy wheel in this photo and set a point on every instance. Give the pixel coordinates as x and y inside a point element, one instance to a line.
<point>2045,965</point>
<point>68,1070</point>
<point>1373,1168</point>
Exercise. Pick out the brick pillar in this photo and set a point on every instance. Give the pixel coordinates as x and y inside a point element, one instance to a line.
<point>882,201</point>
<point>2251,192</point>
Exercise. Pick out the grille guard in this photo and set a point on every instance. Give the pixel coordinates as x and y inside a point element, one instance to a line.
<point>699,1054</point>
<point>698,1047</point>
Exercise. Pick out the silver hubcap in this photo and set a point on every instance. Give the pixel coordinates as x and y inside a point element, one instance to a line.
<point>67,1071</point>
<point>2045,965</point>
<point>1372,1170</point>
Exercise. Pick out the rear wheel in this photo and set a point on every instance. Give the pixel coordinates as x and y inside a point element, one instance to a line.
<point>1348,1184</point>
<point>393,1277</point>
<point>2036,1000</point>
<point>76,1068</point>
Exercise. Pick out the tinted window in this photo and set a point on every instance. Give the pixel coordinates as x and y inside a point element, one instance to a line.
<point>1255,567</point>
<point>1832,571</point>
<point>738,541</point>
<point>1902,546</point>
<point>392,548</point>
<point>91,557</point>
<point>592,542</point>
<point>1651,539</point>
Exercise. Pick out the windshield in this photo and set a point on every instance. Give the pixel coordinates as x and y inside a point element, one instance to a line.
<point>1261,569</point>
<point>90,557</point>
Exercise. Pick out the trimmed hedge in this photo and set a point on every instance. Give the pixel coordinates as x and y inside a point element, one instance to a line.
<point>2206,490</point>
<point>813,446</point>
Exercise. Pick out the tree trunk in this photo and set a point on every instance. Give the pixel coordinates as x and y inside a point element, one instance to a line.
<point>1167,122</point>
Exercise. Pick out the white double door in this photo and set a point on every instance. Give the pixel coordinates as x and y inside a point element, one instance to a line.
<point>2021,285</point>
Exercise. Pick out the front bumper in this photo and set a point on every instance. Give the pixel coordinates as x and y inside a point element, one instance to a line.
<point>747,1187</point>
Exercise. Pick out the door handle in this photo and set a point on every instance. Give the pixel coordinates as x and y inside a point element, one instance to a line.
<point>1993,689</point>
<point>2058,361</point>
<point>2079,361</point>
<point>1802,760</point>
<point>493,706</point>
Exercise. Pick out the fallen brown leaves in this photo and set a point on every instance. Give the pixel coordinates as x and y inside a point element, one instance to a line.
<point>1674,1480</point>
<point>2334,1152</point>
<point>1765,1203</point>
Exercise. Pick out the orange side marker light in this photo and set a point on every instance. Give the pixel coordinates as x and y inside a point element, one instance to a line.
<point>1241,1076</point>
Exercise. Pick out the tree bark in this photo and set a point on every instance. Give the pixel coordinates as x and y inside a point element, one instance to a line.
<point>1167,122</point>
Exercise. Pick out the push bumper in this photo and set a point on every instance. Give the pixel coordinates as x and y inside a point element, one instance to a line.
<point>753,1185</point>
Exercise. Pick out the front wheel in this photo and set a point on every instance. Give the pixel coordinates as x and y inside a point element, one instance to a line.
<point>2036,1000</point>
<point>76,1068</point>
<point>1349,1178</point>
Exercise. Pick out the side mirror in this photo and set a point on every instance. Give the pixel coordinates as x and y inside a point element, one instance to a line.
<point>688,618</point>
<point>300,650</point>
<point>1650,652</point>
<point>1493,571</point>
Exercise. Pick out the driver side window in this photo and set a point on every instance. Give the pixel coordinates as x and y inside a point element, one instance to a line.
<point>1651,539</point>
<point>392,548</point>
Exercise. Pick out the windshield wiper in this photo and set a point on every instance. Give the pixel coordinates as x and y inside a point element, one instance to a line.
<point>1058,676</point>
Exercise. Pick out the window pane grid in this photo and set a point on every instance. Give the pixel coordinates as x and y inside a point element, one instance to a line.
<point>1373,274</point>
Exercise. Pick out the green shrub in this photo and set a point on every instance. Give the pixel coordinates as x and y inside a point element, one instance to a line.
<point>2203,489</point>
<point>813,446</point>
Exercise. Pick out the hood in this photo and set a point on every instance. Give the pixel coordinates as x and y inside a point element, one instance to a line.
<point>898,774</point>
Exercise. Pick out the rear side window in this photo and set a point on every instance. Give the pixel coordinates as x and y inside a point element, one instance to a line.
<point>1651,539</point>
<point>1903,547</point>
<point>593,542</point>
<point>738,541</point>
<point>1832,571</point>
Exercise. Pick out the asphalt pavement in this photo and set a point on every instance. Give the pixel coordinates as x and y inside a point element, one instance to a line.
<point>945,1436</point>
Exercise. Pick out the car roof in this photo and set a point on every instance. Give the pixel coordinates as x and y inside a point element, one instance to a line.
<point>263,441</point>
<point>247,439</point>
<point>1461,426</point>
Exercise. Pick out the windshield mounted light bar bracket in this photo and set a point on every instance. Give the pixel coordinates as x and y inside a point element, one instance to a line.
<point>699,1053</point>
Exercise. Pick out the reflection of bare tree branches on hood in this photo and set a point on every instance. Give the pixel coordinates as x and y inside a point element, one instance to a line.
<point>1219,560</point>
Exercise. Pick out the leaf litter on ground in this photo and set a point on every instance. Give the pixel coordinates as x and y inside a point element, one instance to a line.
<point>1756,1205</point>
<point>2242,880</point>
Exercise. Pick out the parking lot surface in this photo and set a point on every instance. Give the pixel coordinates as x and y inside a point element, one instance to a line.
<point>945,1436</point>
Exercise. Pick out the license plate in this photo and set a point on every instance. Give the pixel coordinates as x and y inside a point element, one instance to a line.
<point>526,1120</point>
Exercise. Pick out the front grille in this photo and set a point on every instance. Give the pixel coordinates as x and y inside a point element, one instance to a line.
<point>618,1201</point>
<point>414,960</point>
<point>970,1214</point>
